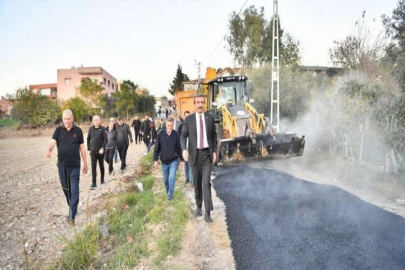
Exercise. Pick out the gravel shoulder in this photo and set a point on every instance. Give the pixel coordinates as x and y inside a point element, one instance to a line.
<point>33,206</point>
<point>205,246</point>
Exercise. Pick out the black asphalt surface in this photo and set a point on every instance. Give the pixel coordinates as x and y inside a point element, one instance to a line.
<point>277,221</point>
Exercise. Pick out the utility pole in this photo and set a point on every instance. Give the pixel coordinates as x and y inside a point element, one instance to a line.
<point>199,72</point>
<point>275,74</point>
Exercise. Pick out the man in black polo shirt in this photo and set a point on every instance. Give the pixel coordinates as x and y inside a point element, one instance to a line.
<point>70,143</point>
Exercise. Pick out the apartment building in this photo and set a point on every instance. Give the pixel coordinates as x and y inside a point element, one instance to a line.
<point>69,80</point>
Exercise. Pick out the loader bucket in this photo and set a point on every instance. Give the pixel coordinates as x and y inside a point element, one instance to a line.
<point>263,147</point>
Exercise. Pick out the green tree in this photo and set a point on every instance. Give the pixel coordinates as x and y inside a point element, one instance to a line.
<point>32,109</point>
<point>177,83</point>
<point>395,51</point>
<point>360,50</point>
<point>296,89</point>
<point>145,104</point>
<point>78,106</point>
<point>125,98</point>
<point>395,57</point>
<point>109,105</point>
<point>91,91</point>
<point>250,40</point>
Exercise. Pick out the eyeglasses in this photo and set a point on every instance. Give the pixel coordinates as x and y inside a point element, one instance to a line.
<point>111,120</point>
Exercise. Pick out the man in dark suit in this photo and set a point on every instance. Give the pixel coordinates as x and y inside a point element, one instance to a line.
<point>200,153</point>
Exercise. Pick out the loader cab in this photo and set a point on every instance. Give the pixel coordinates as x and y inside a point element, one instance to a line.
<point>228,90</point>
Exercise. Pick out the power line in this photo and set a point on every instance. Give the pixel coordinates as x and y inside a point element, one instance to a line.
<point>222,39</point>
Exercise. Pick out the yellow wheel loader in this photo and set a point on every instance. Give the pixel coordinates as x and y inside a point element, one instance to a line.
<point>244,135</point>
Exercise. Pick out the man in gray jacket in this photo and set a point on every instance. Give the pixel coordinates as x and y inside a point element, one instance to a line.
<point>124,136</point>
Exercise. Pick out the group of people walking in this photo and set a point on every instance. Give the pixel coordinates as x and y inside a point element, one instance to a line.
<point>190,141</point>
<point>102,144</point>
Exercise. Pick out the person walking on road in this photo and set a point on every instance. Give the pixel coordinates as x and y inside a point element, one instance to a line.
<point>136,124</point>
<point>188,171</point>
<point>199,129</point>
<point>177,122</point>
<point>168,149</point>
<point>69,140</point>
<point>111,146</point>
<point>153,133</point>
<point>141,130</point>
<point>124,137</point>
<point>96,141</point>
<point>146,131</point>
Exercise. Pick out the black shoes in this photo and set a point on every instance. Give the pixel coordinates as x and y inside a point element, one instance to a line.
<point>198,212</point>
<point>93,186</point>
<point>70,221</point>
<point>208,218</point>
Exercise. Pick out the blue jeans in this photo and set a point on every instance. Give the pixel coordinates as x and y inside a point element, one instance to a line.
<point>188,171</point>
<point>115,155</point>
<point>69,178</point>
<point>152,142</point>
<point>169,177</point>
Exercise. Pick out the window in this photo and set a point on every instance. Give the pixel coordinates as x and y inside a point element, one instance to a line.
<point>67,80</point>
<point>105,81</point>
<point>113,86</point>
<point>108,83</point>
<point>228,92</point>
<point>45,91</point>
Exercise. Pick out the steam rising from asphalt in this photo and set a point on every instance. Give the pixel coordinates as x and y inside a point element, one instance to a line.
<point>277,221</point>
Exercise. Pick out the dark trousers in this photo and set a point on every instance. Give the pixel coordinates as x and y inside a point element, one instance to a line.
<point>146,139</point>
<point>202,179</point>
<point>109,158</point>
<point>137,136</point>
<point>69,177</point>
<point>94,158</point>
<point>122,150</point>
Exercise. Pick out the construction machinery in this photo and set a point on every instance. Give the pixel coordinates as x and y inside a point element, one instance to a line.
<point>244,134</point>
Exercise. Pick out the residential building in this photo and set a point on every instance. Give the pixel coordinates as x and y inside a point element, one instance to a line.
<point>191,85</point>
<point>5,105</point>
<point>161,101</point>
<point>230,72</point>
<point>69,81</point>
<point>329,71</point>
<point>142,91</point>
<point>49,90</point>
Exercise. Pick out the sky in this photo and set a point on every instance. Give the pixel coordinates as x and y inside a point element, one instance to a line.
<point>145,40</point>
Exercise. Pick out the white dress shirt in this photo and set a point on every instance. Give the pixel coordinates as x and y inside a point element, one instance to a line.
<point>197,116</point>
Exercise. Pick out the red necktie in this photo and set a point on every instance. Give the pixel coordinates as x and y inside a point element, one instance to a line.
<point>201,133</point>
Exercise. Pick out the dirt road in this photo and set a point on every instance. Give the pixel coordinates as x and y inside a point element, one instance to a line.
<point>33,206</point>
